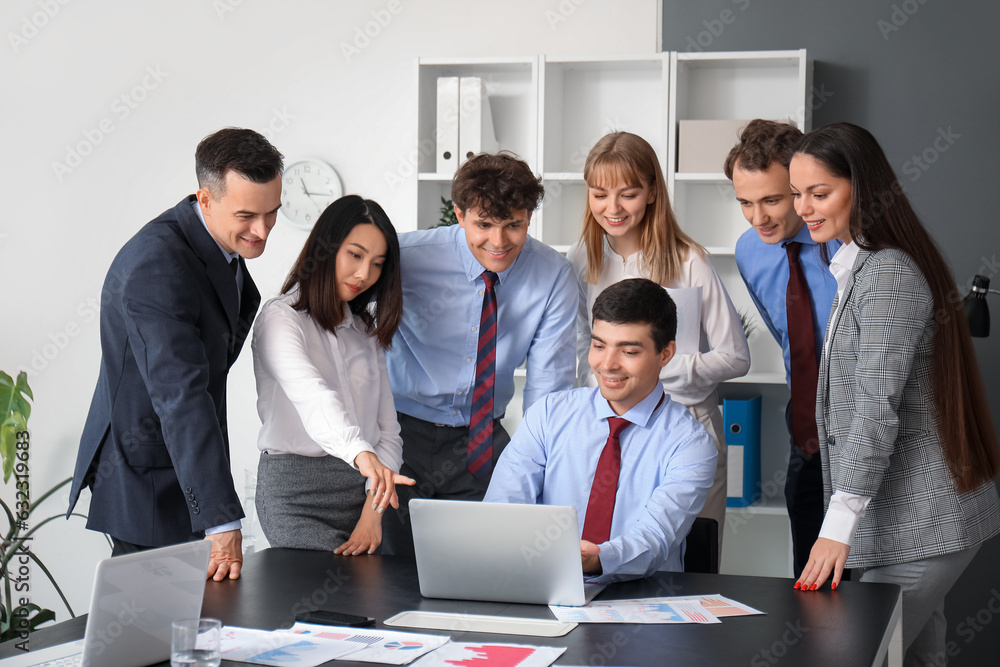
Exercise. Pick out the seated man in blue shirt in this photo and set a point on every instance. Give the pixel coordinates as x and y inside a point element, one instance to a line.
<point>635,464</point>
<point>479,298</point>
<point>766,255</point>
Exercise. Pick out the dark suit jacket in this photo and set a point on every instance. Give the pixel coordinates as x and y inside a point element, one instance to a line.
<point>878,427</point>
<point>155,448</point>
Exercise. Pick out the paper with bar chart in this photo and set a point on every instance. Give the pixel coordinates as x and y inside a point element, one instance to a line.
<point>705,609</point>
<point>465,654</point>
<point>383,646</point>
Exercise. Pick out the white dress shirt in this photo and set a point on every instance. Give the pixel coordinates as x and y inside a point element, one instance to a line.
<point>321,394</point>
<point>846,509</point>
<point>688,378</point>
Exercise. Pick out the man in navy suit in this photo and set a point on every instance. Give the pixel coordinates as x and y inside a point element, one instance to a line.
<point>176,307</point>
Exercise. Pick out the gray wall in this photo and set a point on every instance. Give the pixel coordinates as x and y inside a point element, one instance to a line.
<point>922,75</point>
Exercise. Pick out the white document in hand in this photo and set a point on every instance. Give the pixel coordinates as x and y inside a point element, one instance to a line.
<point>688,302</point>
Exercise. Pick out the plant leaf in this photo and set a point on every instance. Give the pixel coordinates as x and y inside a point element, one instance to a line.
<point>8,440</point>
<point>15,409</point>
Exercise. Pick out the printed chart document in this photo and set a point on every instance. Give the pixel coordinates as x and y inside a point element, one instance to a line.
<point>281,647</point>
<point>307,645</point>
<point>384,646</point>
<point>490,655</point>
<point>705,609</point>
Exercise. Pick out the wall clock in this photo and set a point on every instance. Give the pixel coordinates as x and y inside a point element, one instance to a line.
<point>307,188</point>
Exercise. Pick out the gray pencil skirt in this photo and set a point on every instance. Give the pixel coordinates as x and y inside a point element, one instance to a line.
<point>306,502</point>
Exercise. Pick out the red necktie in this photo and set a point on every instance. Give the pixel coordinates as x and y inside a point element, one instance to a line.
<point>802,354</point>
<point>479,462</point>
<point>601,507</point>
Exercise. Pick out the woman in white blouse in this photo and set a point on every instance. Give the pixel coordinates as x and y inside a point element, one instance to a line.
<point>629,231</point>
<point>329,421</point>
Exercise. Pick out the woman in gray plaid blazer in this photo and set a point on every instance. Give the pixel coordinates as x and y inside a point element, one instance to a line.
<point>908,448</point>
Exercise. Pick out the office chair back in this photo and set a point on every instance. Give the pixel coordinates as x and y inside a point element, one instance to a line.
<point>702,554</point>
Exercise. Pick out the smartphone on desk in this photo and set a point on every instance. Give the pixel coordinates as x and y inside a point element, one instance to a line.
<point>328,617</point>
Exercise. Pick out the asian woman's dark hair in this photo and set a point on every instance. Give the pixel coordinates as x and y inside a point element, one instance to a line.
<point>380,306</point>
<point>881,218</point>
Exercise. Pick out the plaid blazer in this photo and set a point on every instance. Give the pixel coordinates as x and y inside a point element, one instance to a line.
<point>878,428</point>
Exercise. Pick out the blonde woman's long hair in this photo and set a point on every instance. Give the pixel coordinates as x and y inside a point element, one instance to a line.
<point>622,157</point>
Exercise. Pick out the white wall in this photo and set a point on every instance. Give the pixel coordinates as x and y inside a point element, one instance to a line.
<point>139,84</point>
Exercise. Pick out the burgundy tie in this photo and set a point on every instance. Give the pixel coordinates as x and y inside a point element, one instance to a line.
<point>601,507</point>
<point>802,354</point>
<point>479,462</point>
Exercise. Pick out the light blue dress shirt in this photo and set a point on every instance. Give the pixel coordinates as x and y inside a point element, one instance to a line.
<point>432,362</point>
<point>667,467</point>
<point>764,268</point>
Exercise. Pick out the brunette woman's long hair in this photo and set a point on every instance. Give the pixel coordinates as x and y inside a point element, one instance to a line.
<point>881,218</point>
<point>380,306</point>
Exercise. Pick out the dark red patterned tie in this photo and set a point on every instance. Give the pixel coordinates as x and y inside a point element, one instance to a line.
<point>601,506</point>
<point>480,458</point>
<point>802,354</point>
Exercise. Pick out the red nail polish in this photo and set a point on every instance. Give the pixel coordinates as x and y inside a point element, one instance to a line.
<point>814,587</point>
<point>797,585</point>
<point>833,586</point>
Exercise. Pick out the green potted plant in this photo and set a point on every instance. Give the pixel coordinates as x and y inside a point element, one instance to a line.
<point>18,615</point>
<point>448,216</point>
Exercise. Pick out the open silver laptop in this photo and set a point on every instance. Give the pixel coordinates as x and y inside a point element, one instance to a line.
<point>499,552</point>
<point>135,599</point>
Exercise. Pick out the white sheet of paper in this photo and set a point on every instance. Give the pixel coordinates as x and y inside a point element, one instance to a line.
<point>490,655</point>
<point>688,302</point>
<point>392,647</point>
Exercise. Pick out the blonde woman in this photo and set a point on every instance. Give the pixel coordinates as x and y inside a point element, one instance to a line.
<point>629,231</point>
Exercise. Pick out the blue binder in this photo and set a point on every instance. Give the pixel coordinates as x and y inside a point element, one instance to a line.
<point>742,424</point>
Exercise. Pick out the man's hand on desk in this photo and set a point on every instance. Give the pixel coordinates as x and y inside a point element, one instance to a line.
<point>590,553</point>
<point>227,555</point>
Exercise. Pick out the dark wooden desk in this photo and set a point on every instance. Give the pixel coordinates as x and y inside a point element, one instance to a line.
<point>849,627</point>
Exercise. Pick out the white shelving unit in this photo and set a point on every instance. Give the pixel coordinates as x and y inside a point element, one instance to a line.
<point>739,85</point>
<point>551,110</point>
<point>581,100</point>
<point>512,87</point>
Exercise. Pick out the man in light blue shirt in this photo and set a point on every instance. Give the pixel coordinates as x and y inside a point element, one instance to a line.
<point>758,167</point>
<point>666,457</point>
<point>457,350</point>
